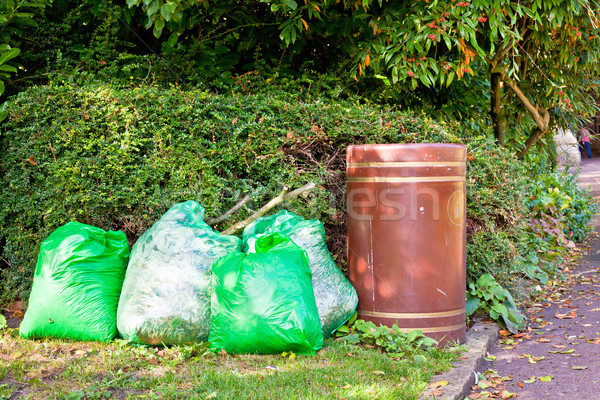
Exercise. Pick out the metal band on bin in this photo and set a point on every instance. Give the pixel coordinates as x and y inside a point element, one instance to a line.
<point>448,328</point>
<point>407,164</point>
<point>379,314</point>
<point>407,179</point>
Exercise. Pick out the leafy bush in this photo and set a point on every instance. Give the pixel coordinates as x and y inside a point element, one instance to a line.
<point>496,227</point>
<point>559,215</point>
<point>488,295</point>
<point>118,158</point>
<point>391,340</point>
<point>558,196</point>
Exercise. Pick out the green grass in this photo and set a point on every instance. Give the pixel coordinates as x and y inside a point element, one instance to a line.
<point>58,369</point>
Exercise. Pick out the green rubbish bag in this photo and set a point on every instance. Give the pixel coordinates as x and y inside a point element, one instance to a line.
<point>335,297</point>
<point>263,303</point>
<point>166,293</point>
<point>77,283</point>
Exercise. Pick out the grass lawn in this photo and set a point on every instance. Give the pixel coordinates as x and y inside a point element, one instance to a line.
<point>59,369</point>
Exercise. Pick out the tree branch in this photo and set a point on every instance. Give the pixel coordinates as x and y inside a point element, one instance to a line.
<point>283,196</point>
<point>524,34</point>
<point>541,116</point>
<point>233,209</point>
<point>542,120</point>
<point>534,137</point>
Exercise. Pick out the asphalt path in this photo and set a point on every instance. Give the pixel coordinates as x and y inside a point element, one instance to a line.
<point>558,356</point>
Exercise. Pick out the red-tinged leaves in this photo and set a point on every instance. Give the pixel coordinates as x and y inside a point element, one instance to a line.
<point>304,23</point>
<point>31,161</point>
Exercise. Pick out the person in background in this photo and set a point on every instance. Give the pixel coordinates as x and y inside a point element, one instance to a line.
<point>585,142</point>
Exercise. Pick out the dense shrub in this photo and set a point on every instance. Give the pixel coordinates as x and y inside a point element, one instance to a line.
<point>118,158</point>
<point>496,210</point>
<point>559,213</point>
<point>558,195</point>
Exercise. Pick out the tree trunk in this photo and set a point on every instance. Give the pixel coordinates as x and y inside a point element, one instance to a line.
<point>496,113</point>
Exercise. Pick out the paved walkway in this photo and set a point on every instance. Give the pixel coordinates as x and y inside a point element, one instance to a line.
<point>559,356</point>
<point>589,175</point>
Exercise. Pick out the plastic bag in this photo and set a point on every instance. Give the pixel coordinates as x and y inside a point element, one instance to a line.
<point>335,297</point>
<point>263,303</point>
<point>166,293</point>
<point>76,286</point>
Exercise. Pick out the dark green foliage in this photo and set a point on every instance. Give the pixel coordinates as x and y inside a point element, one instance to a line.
<point>495,209</point>
<point>16,18</point>
<point>119,158</point>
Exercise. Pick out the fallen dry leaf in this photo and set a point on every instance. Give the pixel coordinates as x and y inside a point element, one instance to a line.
<point>570,315</point>
<point>505,394</point>
<point>438,384</point>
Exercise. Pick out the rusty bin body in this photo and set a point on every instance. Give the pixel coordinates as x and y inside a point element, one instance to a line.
<point>407,237</point>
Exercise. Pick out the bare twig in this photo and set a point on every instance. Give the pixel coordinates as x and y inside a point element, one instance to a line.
<point>233,209</point>
<point>283,196</point>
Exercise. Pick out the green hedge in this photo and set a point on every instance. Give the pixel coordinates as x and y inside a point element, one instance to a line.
<point>118,158</point>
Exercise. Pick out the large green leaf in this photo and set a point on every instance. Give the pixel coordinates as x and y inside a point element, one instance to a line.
<point>8,55</point>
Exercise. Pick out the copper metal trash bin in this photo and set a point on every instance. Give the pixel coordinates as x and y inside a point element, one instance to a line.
<point>406,236</point>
